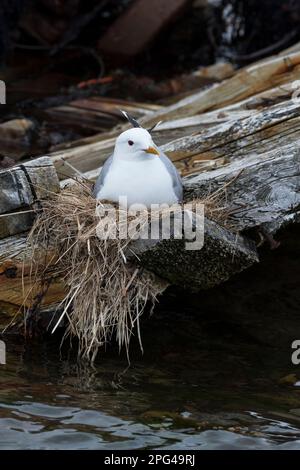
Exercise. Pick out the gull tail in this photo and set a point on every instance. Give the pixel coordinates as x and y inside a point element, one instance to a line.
<point>131,119</point>
<point>134,122</point>
<point>154,127</point>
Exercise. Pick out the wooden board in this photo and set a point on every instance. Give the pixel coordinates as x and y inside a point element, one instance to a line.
<point>20,188</point>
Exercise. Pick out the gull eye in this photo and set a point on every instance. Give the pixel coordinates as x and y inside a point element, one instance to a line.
<point>130,142</point>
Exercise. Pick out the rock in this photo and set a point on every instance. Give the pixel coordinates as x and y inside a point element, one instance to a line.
<point>16,129</point>
<point>223,254</point>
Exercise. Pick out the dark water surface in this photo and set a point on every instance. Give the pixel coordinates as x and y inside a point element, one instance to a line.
<point>216,373</point>
<point>193,390</point>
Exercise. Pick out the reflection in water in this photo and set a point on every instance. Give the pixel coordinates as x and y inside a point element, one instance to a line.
<point>211,376</point>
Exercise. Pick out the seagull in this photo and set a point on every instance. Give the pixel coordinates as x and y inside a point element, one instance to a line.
<point>139,171</point>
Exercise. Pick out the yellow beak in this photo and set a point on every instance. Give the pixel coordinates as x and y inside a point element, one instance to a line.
<point>151,150</point>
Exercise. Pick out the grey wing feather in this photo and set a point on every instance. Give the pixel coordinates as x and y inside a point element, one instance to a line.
<point>176,179</point>
<point>103,173</point>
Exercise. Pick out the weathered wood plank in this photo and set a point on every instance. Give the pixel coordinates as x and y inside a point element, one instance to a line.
<point>260,133</point>
<point>234,130</point>
<point>84,158</point>
<point>246,82</point>
<point>260,144</point>
<point>256,132</point>
<point>22,184</point>
<point>17,286</point>
<point>265,191</point>
<point>110,107</point>
<point>20,187</point>
<point>198,136</point>
<point>175,128</point>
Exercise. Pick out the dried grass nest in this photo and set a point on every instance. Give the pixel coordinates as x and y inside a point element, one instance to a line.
<point>105,293</point>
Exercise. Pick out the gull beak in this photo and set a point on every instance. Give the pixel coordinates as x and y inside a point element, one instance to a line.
<point>152,150</point>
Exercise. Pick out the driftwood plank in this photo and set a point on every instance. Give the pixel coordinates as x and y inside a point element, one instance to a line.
<point>83,158</point>
<point>265,190</point>
<point>17,288</point>
<point>254,87</point>
<point>198,137</point>
<point>175,128</point>
<point>258,133</point>
<point>20,187</point>
<point>233,130</point>
<point>254,132</point>
<point>246,82</point>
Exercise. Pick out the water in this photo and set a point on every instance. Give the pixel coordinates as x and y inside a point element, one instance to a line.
<point>216,373</point>
<point>190,390</point>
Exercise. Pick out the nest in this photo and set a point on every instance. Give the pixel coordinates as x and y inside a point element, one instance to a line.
<point>106,293</point>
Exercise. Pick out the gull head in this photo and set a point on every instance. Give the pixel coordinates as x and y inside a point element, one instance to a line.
<point>135,144</point>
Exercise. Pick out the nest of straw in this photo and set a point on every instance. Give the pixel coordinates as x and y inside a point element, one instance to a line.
<point>106,293</point>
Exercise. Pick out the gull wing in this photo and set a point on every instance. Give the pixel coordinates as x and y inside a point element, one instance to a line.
<point>101,178</point>
<point>176,178</point>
